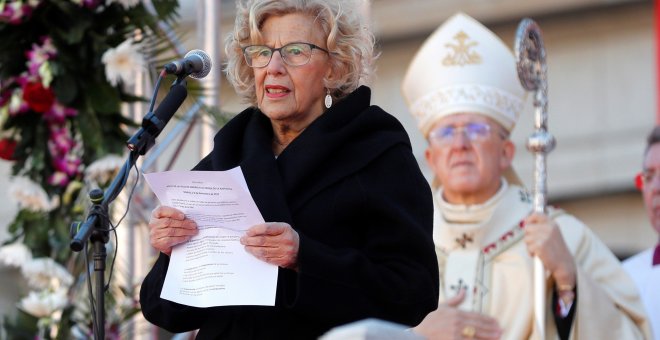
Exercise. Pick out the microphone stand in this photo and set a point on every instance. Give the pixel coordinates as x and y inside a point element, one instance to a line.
<point>96,228</point>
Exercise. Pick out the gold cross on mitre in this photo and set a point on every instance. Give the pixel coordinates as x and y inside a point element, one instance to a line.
<point>462,54</point>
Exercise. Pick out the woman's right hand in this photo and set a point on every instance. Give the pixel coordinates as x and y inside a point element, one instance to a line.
<point>169,227</point>
<point>449,322</point>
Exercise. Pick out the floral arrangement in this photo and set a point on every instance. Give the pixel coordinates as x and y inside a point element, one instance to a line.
<point>64,69</point>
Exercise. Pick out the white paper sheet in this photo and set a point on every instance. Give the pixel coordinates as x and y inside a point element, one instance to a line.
<point>213,268</point>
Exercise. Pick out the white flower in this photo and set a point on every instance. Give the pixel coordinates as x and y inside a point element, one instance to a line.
<point>127,3</point>
<point>30,195</point>
<point>101,169</point>
<point>123,62</point>
<point>44,303</point>
<point>45,273</point>
<point>46,74</point>
<point>16,101</point>
<point>4,114</point>
<point>15,255</point>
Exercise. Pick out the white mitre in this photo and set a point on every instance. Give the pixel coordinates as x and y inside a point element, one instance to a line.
<point>463,68</point>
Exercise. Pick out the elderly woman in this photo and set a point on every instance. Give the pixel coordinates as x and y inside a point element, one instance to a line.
<point>349,214</point>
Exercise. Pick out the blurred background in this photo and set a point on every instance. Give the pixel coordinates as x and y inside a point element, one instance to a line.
<point>602,95</point>
<point>602,73</point>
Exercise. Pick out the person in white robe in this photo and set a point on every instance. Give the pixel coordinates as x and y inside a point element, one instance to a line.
<point>463,90</point>
<point>644,268</point>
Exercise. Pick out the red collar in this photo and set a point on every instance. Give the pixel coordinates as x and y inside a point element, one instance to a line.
<point>656,255</point>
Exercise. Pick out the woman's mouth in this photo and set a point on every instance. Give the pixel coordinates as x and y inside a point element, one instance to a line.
<point>274,91</point>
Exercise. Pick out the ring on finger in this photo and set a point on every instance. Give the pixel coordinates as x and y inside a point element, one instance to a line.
<point>469,331</point>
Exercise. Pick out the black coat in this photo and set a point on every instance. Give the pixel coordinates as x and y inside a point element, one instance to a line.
<point>350,186</point>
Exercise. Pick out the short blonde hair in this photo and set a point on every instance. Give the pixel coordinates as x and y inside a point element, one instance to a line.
<point>349,40</point>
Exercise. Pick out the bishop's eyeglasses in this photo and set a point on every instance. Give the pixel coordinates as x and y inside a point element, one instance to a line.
<point>474,132</point>
<point>293,54</point>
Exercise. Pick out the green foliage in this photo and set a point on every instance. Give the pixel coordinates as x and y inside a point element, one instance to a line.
<point>89,124</point>
<point>23,327</point>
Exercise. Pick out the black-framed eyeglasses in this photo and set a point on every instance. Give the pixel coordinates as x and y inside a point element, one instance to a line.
<point>475,132</point>
<point>293,54</point>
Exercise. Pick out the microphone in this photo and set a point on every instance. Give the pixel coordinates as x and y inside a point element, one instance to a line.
<point>165,111</point>
<point>154,122</point>
<point>196,64</point>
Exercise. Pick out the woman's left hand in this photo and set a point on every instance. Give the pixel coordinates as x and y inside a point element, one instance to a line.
<point>544,240</point>
<point>273,242</point>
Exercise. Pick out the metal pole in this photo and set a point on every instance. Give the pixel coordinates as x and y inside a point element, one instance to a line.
<point>134,247</point>
<point>209,35</point>
<point>99,276</point>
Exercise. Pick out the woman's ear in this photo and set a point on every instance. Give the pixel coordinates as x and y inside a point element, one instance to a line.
<point>329,74</point>
<point>332,75</point>
<point>329,78</point>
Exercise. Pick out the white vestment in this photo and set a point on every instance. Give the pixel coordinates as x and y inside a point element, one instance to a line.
<point>647,279</point>
<point>486,254</point>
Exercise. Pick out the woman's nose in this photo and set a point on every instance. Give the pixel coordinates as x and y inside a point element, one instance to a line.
<point>276,65</point>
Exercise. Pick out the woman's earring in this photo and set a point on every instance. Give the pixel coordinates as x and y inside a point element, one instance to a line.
<point>328,99</point>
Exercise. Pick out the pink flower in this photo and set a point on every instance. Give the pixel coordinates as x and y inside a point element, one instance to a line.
<point>12,13</point>
<point>91,4</point>
<point>68,165</point>
<point>26,78</point>
<point>15,12</point>
<point>39,54</point>
<point>59,179</point>
<point>73,165</point>
<point>59,142</point>
<point>60,164</point>
<point>33,67</point>
<point>61,147</point>
<point>58,113</point>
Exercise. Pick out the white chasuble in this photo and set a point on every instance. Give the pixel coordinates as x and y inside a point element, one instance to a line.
<point>480,248</point>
